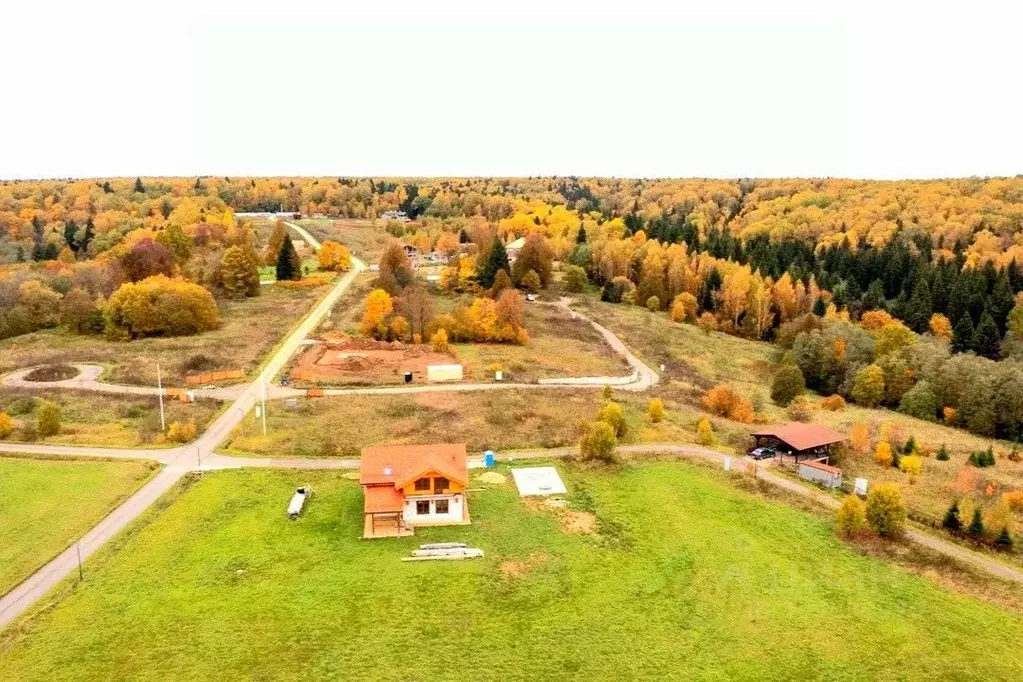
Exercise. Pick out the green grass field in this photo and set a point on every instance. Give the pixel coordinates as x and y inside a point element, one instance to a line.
<point>45,505</point>
<point>687,577</point>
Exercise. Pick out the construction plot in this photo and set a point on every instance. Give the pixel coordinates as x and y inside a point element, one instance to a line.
<point>344,360</point>
<point>538,481</point>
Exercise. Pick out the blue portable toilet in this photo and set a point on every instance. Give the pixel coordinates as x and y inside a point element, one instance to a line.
<point>488,458</point>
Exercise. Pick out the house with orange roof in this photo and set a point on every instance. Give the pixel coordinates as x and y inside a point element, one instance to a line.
<point>406,486</point>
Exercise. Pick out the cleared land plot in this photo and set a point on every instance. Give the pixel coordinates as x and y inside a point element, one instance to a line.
<point>365,238</point>
<point>249,330</point>
<point>693,360</point>
<point>340,426</point>
<point>47,504</point>
<point>657,571</point>
<point>560,345</point>
<point>102,419</point>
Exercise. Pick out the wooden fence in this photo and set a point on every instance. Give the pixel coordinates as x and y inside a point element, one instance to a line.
<point>213,377</point>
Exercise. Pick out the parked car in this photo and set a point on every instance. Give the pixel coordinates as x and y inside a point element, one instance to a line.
<point>762,453</point>
<point>530,297</point>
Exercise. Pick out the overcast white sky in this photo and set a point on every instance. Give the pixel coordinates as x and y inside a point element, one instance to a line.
<point>725,89</point>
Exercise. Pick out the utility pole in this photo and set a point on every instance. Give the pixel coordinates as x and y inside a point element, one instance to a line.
<point>159,386</point>
<point>78,549</point>
<point>262,396</point>
<point>198,457</point>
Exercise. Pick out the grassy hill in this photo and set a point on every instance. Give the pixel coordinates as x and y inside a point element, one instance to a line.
<point>659,570</point>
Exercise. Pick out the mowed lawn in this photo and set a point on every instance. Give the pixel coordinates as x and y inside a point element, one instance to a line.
<point>45,505</point>
<point>686,578</point>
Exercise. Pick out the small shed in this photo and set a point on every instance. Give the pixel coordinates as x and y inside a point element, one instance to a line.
<point>444,373</point>
<point>799,441</point>
<point>819,472</point>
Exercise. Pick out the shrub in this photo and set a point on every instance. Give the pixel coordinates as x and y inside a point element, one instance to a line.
<point>1004,540</point>
<point>160,305</point>
<point>943,455</point>
<point>911,464</point>
<point>613,415</point>
<point>909,446</point>
<point>723,401</point>
<point>833,403</point>
<point>655,410</point>
<point>852,516</point>
<point>886,511</point>
<point>48,419</point>
<point>859,436</point>
<point>439,341</point>
<point>883,454</point>
<point>952,523</point>
<point>531,282</point>
<point>920,402</point>
<point>653,304</point>
<point>6,425</point>
<point>575,279</point>
<point>976,527</point>
<point>181,432</point>
<point>800,409</point>
<point>23,406</point>
<point>1014,499</point>
<point>705,432</point>
<point>787,384</point>
<point>599,443</point>
<point>606,392</point>
<point>683,308</point>
<point>982,458</point>
<point>949,415</point>
<point>708,323</point>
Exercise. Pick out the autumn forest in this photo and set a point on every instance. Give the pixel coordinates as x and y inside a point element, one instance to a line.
<point>884,292</point>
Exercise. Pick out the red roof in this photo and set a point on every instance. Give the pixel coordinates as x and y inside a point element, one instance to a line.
<point>822,466</point>
<point>402,464</point>
<point>382,498</point>
<point>803,436</point>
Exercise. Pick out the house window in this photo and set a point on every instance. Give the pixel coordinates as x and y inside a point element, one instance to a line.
<point>423,507</point>
<point>441,484</point>
<point>442,506</point>
<point>423,484</point>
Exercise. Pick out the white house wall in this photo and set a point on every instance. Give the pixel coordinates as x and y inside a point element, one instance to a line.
<point>455,511</point>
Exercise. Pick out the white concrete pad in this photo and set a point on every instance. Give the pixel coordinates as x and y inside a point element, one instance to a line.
<point>538,481</point>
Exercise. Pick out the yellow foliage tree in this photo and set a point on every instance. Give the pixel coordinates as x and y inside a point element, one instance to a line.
<point>655,410</point>
<point>940,326</point>
<point>6,425</point>
<point>859,436</point>
<point>911,464</point>
<point>852,516</point>
<point>377,307</point>
<point>333,256</point>
<point>439,341</point>
<point>725,402</point>
<point>705,432</point>
<point>883,454</point>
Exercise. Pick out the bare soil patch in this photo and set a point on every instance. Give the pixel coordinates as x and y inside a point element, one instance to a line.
<point>514,568</point>
<point>341,359</point>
